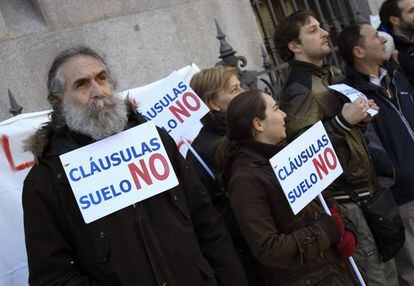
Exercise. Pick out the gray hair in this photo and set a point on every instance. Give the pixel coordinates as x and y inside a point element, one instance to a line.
<point>56,83</point>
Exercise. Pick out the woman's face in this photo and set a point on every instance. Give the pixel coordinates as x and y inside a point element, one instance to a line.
<point>224,96</point>
<point>271,130</point>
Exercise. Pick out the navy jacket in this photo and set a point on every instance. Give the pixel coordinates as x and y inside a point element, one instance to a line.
<point>394,124</point>
<point>405,56</point>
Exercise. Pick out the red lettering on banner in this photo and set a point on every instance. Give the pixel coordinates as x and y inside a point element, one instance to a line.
<point>5,145</point>
<point>143,173</point>
<point>176,111</point>
<point>157,175</point>
<point>331,165</point>
<point>323,163</point>
<point>195,98</point>
<point>181,109</point>
<point>181,143</point>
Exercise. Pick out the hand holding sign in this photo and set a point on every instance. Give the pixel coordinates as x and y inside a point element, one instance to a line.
<point>353,94</point>
<point>305,168</point>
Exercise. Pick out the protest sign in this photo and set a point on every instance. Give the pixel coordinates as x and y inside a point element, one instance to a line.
<point>306,167</point>
<point>171,104</point>
<point>353,94</point>
<point>118,171</point>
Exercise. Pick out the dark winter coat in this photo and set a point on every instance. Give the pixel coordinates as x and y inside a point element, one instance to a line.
<point>292,249</point>
<point>306,100</point>
<point>174,238</point>
<point>204,144</point>
<point>405,49</point>
<point>394,124</point>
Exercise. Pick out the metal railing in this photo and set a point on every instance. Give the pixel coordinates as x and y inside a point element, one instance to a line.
<point>333,15</point>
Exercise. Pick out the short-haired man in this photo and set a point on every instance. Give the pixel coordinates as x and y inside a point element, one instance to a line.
<point>397,17</point>
<point>306,99</point>
<point>173,238</point>
<point>363,51</point>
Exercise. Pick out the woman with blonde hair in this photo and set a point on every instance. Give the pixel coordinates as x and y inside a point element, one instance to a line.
<point>217,87</point>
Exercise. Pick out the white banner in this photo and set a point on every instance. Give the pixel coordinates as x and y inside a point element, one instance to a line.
<point>306,167</point>
<point>171,104</point>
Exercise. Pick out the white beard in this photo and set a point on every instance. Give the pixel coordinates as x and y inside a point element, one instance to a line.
<point>101,118</point>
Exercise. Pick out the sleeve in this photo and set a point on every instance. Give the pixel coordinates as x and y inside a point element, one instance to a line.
<point>50,251</point>
<point>272,248</point>
<point>213,237</point>
<point>303,111</point>
<point>331,202</point>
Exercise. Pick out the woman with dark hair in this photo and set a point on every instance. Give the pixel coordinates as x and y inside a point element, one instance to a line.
<point>217,87</point>
<point>292,249</point>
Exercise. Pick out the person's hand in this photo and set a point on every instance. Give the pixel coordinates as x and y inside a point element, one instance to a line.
<point>338,220</point>
<point>347,245</point>
<point>356,111</point>
<point>372,105</point>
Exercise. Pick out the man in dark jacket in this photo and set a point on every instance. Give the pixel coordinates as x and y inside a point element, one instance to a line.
<point>397,19</point>
<point>306,99</point>
<point>173,238</point>
<point>363,51</point>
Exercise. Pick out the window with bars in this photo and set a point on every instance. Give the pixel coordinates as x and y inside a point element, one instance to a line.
<point>332,14</point>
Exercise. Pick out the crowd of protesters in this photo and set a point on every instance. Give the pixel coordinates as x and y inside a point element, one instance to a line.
<point>236,227</point>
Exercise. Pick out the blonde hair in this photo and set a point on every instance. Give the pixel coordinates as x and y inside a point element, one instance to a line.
<point>209,82</point>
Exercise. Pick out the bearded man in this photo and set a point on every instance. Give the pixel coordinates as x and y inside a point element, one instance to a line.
<point>397,17</point>
<point>173,238</point>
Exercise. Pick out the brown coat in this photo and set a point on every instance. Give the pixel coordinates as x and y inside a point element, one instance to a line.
<point>174,238</point>
<point>293,249</point>
<point>307,100</point>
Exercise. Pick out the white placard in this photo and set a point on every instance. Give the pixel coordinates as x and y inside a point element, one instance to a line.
<point>306,167</point>
<point>118,171</point>
<point>171,104</point>
<point>353,94</point>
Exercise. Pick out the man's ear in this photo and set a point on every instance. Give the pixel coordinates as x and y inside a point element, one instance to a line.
<point>211,103</point>
<point>395,21</point>
<point>295,47</point>
<point>257,124</point>
<point>358,51</point>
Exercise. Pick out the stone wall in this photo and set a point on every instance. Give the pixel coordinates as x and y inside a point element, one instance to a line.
<point>143,40</point>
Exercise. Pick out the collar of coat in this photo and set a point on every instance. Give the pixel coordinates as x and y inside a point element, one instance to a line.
<point>362,81</point>
<point>300,71</point>
<point>402,43</point>
<point>216,123</point>
<point>254,153</point>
